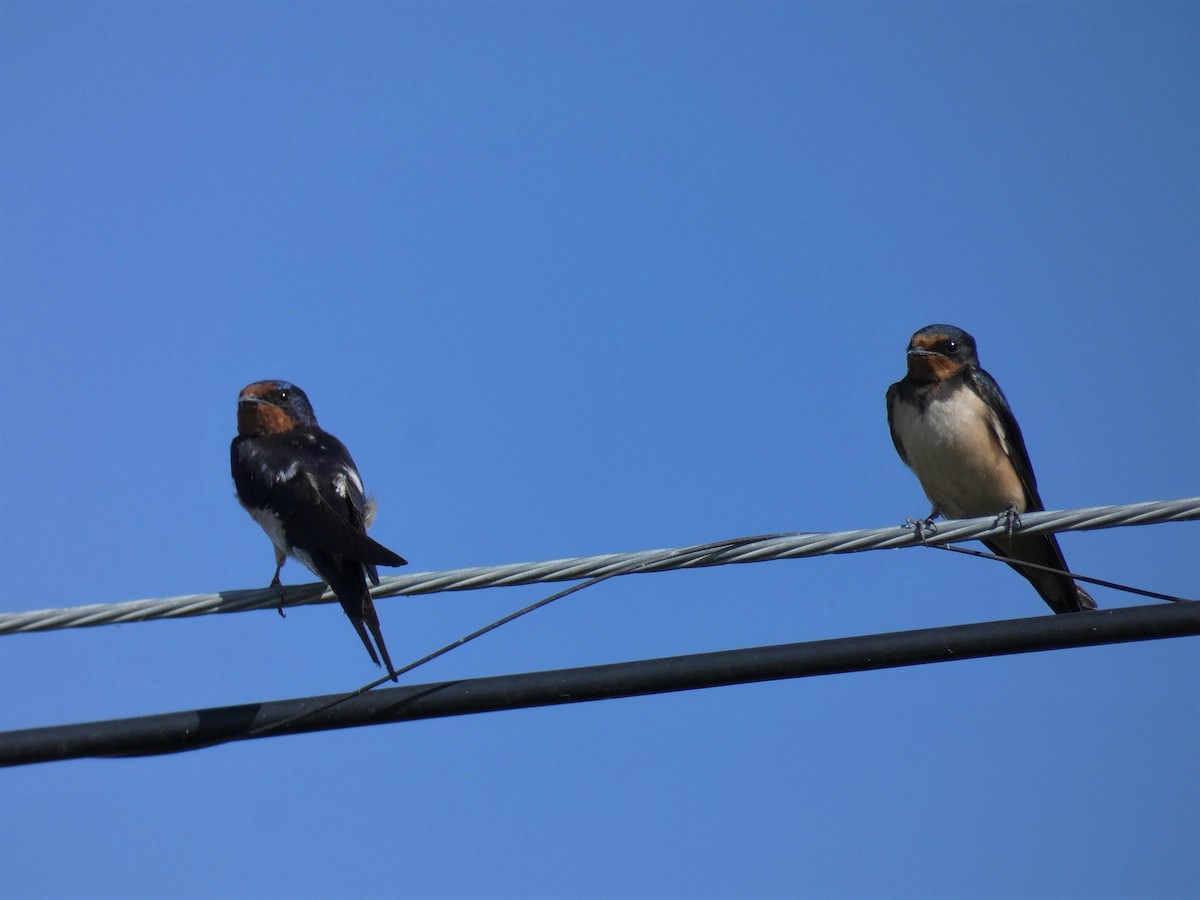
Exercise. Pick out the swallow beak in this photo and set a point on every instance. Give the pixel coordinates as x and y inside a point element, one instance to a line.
<point>245,397</point>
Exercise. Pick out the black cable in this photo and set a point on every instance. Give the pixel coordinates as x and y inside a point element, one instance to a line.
<point>173,732</point>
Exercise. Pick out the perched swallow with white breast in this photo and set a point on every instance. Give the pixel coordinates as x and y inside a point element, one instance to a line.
<point>953,427</point>
<point>301,485</point>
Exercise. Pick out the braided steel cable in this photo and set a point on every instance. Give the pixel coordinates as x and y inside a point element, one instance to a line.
<point>741,550</point>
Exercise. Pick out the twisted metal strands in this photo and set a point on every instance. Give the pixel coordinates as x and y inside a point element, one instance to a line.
<point>744,550</point>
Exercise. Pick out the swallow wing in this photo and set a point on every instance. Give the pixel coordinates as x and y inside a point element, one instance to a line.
<point>893,397</point>
<point>335,522</point>
<point>1008,432</point>
<point>307,478</point>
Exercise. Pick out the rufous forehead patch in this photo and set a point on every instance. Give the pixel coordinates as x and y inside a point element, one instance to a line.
<point>928,341</point>
<point>258,390</point>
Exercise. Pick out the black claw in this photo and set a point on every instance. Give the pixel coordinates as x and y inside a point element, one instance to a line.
<point>1011,520</point>
<point>923,527</point>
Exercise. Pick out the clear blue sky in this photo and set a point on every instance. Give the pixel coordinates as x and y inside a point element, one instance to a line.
<point>574,278</point>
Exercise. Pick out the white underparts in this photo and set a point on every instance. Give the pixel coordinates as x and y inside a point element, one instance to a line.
<point>959,452</point>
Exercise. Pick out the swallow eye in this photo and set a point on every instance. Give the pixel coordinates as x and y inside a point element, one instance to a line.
<point>951,347</point>
<point>284,395</point>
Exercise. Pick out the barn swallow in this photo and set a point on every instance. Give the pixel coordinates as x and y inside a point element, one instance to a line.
<point>300,484</point>
<point>953,427</point>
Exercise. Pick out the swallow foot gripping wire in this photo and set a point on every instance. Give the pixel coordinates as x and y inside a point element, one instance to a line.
<point>1011,520</point>
<point>924,528</point>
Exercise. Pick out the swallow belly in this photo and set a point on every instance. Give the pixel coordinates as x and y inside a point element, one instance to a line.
<point>271,524</point>
<point>955,450</point>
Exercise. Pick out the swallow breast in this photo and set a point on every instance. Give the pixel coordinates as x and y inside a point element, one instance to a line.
<point>958,451</point>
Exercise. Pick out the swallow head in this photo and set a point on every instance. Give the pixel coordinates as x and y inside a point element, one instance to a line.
<point>937,352</point>
<point>273,407</point>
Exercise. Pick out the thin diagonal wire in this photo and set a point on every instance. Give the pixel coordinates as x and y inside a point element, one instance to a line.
<point>780,546</point>
<point>478,633</point>
<point>1075,576</point>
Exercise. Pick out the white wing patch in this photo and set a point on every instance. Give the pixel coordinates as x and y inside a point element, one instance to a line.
<point>345,477</point>
<point>339,484</point>
<point>269,474</point>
